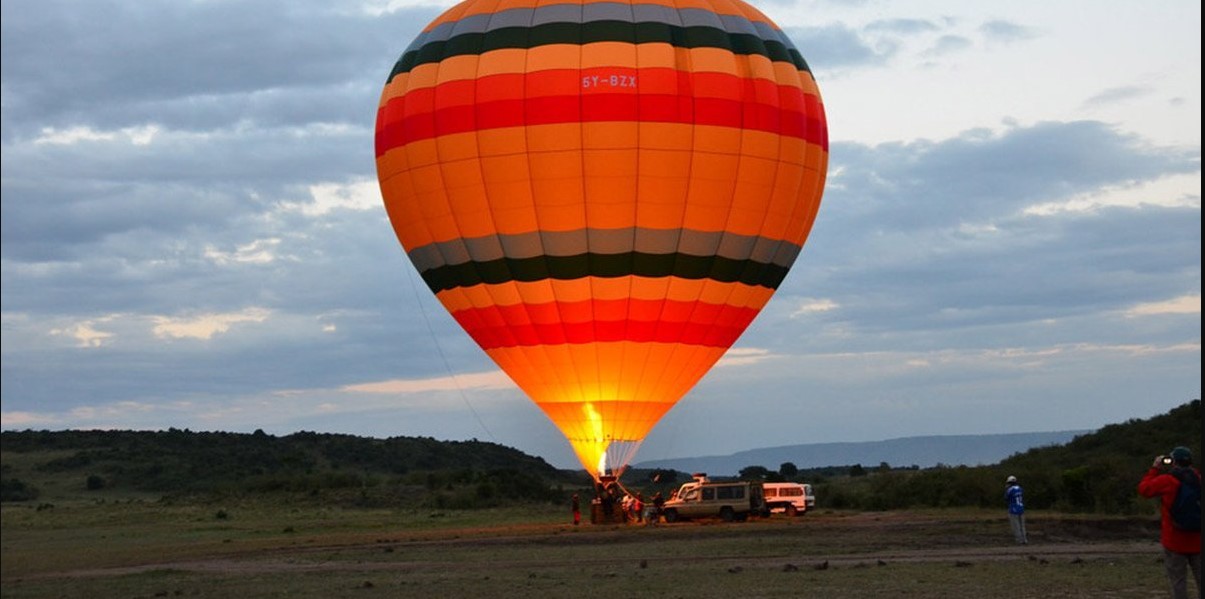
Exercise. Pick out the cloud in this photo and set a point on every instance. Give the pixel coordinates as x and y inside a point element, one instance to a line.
<point>205,326</point>
<point>947,44</point>
<point>744,356</point>
<point>811,305</point>
<point>139,136</point>
<point>383,7</point>
<point>903,26</point>
<point>1161,191</point>
<point>477,380</point>
<point>27,420</point>
<point>1187,304</point>
<point>362,194</point>
<point>267,61</point>
<point>85,334</point>
<point>1116,95</point>
<point>89,333</point>
<point>998,30</point>
<point>980,174</point>
<point>418,400</point>
<point>992,232</point>
<point>835,47</point>
<point>256,252</point>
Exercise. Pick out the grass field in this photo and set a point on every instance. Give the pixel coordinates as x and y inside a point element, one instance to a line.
<point>135,547</point>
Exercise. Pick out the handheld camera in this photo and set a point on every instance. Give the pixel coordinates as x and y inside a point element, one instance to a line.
<point>1166,460</point>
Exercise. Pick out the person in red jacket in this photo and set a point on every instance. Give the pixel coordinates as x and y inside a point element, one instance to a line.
<point>1181,548</point>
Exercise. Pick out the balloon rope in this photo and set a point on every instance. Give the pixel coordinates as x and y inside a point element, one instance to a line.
<point>444,358</point>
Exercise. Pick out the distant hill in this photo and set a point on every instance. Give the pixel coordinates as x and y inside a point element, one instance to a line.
<point>925,452</point>
<point>1132,443</point>
<point>1097,472</point>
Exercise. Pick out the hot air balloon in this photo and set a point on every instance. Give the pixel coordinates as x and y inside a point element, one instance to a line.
<point>602,194</point>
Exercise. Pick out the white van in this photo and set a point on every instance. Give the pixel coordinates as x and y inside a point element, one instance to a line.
<point>791,499</point>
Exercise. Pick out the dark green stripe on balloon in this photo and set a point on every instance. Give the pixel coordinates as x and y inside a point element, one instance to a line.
<point>526,270</point>
<point>597,31</point>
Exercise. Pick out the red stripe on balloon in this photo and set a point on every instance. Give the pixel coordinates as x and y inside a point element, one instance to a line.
<point>549,97</point>
<point>594,321</point>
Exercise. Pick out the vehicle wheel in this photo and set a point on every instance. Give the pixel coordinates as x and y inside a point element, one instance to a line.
<point>727,515</point>
<point>671,515</point>
<point>791,511</point>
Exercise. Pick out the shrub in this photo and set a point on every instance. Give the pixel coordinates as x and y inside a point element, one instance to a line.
<point>14,489</point>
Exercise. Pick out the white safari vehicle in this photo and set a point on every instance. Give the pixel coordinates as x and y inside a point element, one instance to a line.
<point>704,498</point>
<point>792,499</point>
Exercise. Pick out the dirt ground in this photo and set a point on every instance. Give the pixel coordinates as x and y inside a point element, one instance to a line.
<point>816,541</point>
<point>938,554</point>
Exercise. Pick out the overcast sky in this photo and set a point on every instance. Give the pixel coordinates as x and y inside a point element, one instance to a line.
<point>193,236</point>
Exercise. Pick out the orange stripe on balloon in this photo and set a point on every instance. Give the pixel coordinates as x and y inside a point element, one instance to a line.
<point>667,370</point>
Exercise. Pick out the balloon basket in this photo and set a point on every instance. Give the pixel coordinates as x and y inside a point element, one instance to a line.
<point>607,507</point>
<point>600,515</point>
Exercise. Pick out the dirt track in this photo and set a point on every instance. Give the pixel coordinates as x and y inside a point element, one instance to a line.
<point>1068,553</point>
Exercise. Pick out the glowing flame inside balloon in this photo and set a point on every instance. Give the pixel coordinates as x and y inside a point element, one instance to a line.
<point>603,207</point>
<point>595,421</point>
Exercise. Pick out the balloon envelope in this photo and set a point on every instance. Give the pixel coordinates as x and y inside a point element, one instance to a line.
<point>603,194</point>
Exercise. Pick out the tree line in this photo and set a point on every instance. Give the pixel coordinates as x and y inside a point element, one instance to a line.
<point>1095,472</point>
<point>181,462</point>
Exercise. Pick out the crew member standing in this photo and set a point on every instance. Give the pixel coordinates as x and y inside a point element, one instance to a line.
<point>1016,510</point>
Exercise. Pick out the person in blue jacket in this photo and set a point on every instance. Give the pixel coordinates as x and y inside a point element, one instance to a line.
<point>1016,509</point>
